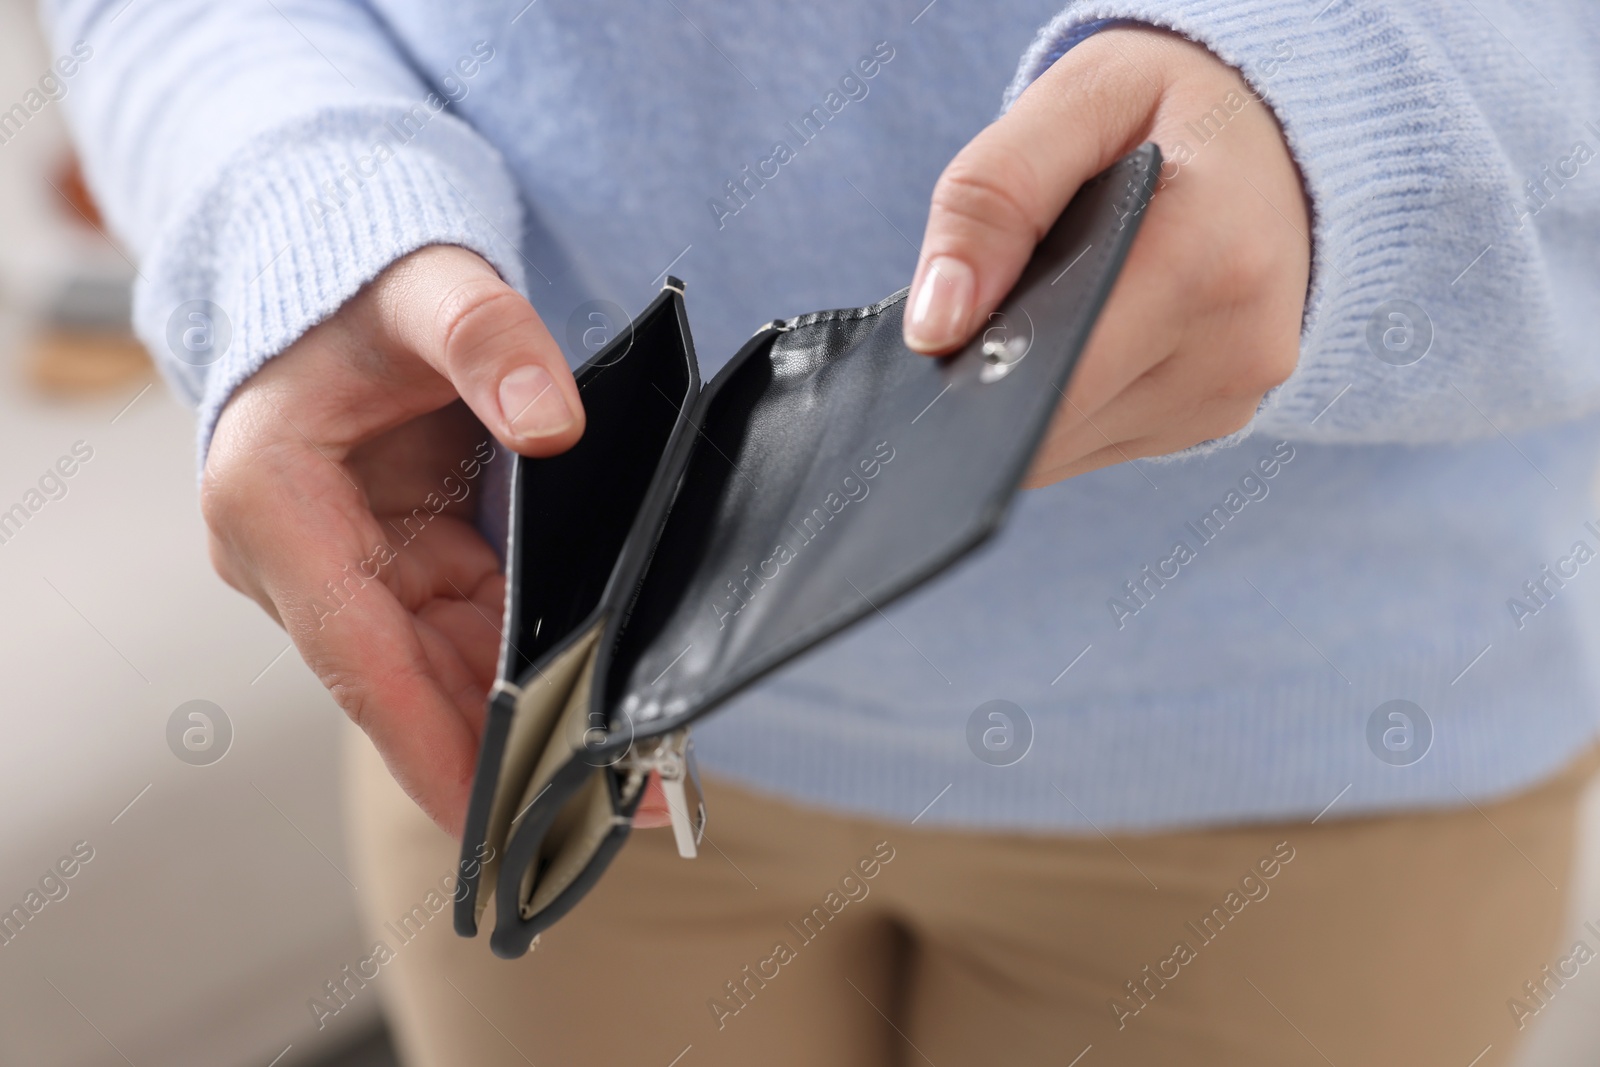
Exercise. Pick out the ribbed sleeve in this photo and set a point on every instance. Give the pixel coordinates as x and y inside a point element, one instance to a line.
<point>1416,130</point>
<point>263,160</point>
<point>272,245</point>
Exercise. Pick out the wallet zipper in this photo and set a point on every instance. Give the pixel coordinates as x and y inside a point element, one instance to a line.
<point>672,758</point>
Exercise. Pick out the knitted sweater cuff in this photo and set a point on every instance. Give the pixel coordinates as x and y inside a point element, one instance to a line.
<point>297,222</point>
<point>1397,160</point>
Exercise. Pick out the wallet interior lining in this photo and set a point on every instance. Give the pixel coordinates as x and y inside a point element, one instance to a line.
<point>538,707</point>
<point>577,509</point>
<point>577,834</point>
<point>586,817</point>
<point>735,573</point>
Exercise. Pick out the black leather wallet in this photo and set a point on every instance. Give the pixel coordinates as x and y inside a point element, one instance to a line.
<point>695,540</point>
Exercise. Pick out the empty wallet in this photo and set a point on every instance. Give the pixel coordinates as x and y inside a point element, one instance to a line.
<point>694,540</point>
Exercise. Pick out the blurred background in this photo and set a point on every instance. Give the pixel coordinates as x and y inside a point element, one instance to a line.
<point>215,904</point>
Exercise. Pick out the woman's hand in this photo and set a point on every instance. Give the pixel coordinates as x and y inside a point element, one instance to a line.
<point>1206,315</point>
<point>340,489</point>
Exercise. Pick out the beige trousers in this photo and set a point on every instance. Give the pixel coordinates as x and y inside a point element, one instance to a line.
<point>802,937</point>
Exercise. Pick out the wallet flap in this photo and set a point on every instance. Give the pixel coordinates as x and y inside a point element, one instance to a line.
<point>836,469</point>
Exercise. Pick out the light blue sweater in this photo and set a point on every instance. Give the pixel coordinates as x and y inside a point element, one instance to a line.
<point>1423,534</point>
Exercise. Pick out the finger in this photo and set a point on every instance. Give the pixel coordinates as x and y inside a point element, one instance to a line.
<point>1003,191</point>
<point>1140,326</point>
<point>403,683</point>
<point>436,458</point>
<point>449,307</point>
<point>1130,378</point>
<point>348,591</point>
<point>459,622</point>
<point>1181,401</point>
<point>1135,337</point>
<point>470,619</point>
<point>1138,424</point>
<point>441,628</point>
<point>653,811</point>
<point>1207,421</point>
<point>384,671</point>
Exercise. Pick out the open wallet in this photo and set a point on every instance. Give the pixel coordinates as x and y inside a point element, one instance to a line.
<point>696,539</point>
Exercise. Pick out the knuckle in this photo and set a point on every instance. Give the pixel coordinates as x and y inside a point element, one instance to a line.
<point>222,562</point>
<point>1261,368</point>
<point>353,697</point>
<point>989,196</point>
<point>236,482</point>
<point>222,498</point>
<point>471,312</point>
<point>1275,366</point>
<point>1246,265</point>
<point>1231,418</point>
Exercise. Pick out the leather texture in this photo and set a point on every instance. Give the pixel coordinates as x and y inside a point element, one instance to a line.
<point>713,535</point>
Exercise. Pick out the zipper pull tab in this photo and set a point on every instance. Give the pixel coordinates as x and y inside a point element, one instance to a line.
<point>680,782</point>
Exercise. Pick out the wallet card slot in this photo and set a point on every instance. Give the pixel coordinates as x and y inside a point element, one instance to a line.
<point>570,818</point>
<point>538,708</point>
<point>574,511</point>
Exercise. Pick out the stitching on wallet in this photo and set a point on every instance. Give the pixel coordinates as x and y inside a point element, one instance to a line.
<point>1102,249</point>
<point>848,314</point>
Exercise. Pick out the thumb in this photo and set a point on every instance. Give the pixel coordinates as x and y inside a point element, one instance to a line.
<point>449,307</point>
<point>1004,190</point>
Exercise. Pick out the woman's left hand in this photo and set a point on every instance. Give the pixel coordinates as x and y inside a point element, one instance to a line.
<point>1206,315</point>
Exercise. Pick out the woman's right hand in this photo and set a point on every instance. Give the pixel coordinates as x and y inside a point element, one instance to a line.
<point>340,489</point>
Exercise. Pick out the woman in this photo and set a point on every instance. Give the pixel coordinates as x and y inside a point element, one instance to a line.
<point>1308,709</point>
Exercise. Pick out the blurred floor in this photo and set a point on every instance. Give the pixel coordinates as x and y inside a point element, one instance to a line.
<point>214,907</point>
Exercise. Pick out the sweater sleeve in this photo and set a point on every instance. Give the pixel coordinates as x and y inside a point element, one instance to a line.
<point>262,160</point>
<point>1448,152</point>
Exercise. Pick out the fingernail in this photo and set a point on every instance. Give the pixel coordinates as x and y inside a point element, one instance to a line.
<point>941,305</point>
<point>531,404</point>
